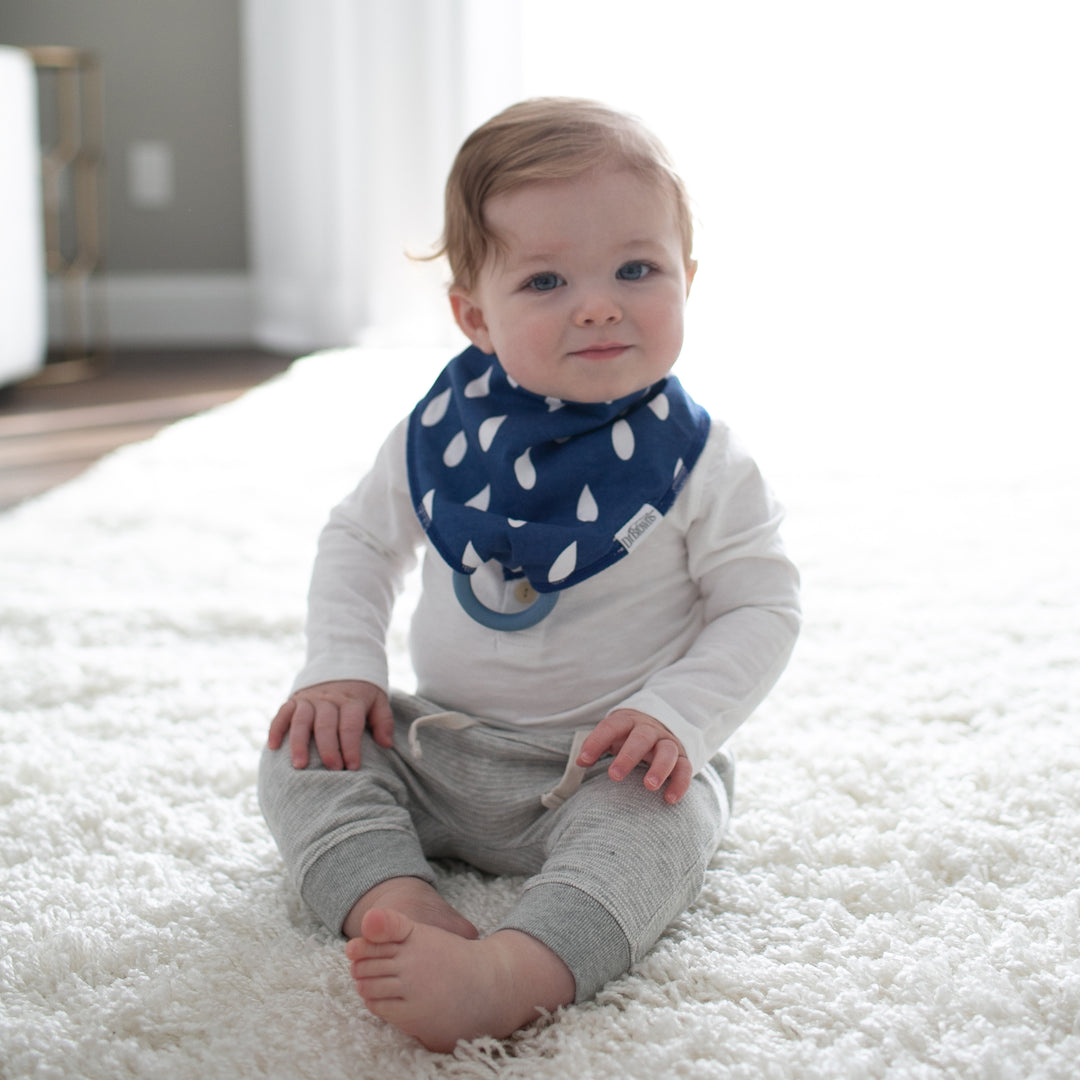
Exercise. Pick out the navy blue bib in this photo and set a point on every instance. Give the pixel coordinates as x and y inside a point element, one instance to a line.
<point>555,491</point>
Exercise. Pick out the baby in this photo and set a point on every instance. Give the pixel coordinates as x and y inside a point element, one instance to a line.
<point>604,600</point>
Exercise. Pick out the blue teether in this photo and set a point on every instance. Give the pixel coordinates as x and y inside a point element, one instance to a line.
<point>498,620</point>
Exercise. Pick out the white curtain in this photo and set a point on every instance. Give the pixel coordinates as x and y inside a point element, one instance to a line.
<point>354,109</point>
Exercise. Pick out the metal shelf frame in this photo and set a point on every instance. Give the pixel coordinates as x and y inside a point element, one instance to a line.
<point>70,95</point>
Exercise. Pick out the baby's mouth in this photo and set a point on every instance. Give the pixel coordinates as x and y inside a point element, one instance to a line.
<point>607,351</point>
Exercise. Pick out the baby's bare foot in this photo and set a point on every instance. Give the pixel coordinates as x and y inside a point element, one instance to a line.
<point>440,987</point>
<point>413,897</point>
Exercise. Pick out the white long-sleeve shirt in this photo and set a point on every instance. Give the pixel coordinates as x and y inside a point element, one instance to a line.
<point>692,627</point>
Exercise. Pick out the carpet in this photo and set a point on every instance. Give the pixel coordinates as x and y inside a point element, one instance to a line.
<point>898,896</point>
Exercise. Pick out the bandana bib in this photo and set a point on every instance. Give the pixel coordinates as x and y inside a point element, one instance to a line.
<point>554,491</point>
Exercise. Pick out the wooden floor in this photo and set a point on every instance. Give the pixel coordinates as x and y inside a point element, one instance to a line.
<point>51,429</point>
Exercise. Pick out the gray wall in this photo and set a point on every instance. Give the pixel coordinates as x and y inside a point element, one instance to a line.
<point>172,74</point>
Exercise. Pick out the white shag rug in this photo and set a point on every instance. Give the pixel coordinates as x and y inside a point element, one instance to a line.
<point>899,895</point>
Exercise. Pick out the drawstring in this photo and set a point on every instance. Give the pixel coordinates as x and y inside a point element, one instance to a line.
<point>572,775</point>
<point>451,721</point>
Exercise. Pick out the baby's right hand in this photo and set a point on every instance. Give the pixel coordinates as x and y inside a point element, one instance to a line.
<point>336,713</point>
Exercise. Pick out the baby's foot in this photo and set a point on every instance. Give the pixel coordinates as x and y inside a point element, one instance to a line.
<point>440,987</point>
<point>413,897</point>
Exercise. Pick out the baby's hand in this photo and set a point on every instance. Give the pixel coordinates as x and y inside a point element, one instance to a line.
<point>337,713</point>
<point>634,737</point>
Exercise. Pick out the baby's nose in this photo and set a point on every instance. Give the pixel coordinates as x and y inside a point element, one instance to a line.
<point>597,310</point>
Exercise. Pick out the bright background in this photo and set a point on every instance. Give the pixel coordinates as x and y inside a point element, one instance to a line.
<point>886,192</point>
<point>889,224</point>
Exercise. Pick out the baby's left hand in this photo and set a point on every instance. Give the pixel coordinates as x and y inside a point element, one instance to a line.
<point>634,737</point>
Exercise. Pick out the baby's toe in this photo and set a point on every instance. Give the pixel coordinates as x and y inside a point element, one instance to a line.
<point>386,926</point>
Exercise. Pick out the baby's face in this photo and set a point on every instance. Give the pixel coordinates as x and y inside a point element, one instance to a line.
<point>585,300</point>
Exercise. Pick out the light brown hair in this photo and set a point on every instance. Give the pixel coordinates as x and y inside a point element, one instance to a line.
<point>549,138</point>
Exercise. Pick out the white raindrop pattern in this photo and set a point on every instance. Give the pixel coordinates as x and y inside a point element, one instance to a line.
<point>455,451</point>
<point>436,409</point>
<point>622,439</point>
<point>588,509</point>
<point>525,471</point>
<point>660,406</point>
<point>480,386</point>
<point>481,500</point>
<point>564,565</point>
<point>488,430</point>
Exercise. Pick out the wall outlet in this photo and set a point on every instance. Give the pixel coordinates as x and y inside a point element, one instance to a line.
<point>150,174</point>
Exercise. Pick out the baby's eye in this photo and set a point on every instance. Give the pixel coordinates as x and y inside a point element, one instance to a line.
<point>633,271</point>
<point>544,282</point>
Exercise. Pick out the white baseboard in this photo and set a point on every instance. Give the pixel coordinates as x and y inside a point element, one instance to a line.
<point>167,309</point>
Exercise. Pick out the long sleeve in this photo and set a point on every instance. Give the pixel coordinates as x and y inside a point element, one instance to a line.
<point>750,608</point>
<point>365,550</point>
<point>694,628</point>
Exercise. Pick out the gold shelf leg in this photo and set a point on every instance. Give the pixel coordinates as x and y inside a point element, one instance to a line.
<point>74,227</point>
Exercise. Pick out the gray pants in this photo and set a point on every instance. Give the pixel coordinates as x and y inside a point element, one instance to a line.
<point>610,865</point>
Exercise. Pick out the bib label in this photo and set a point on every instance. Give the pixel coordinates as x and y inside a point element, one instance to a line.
<point>638,527</point>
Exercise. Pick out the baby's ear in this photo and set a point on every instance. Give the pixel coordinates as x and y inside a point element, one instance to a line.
<point>691,271</point>
<point>470,318</point>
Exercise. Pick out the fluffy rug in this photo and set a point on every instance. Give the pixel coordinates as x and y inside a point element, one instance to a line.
<point>899,895</point>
